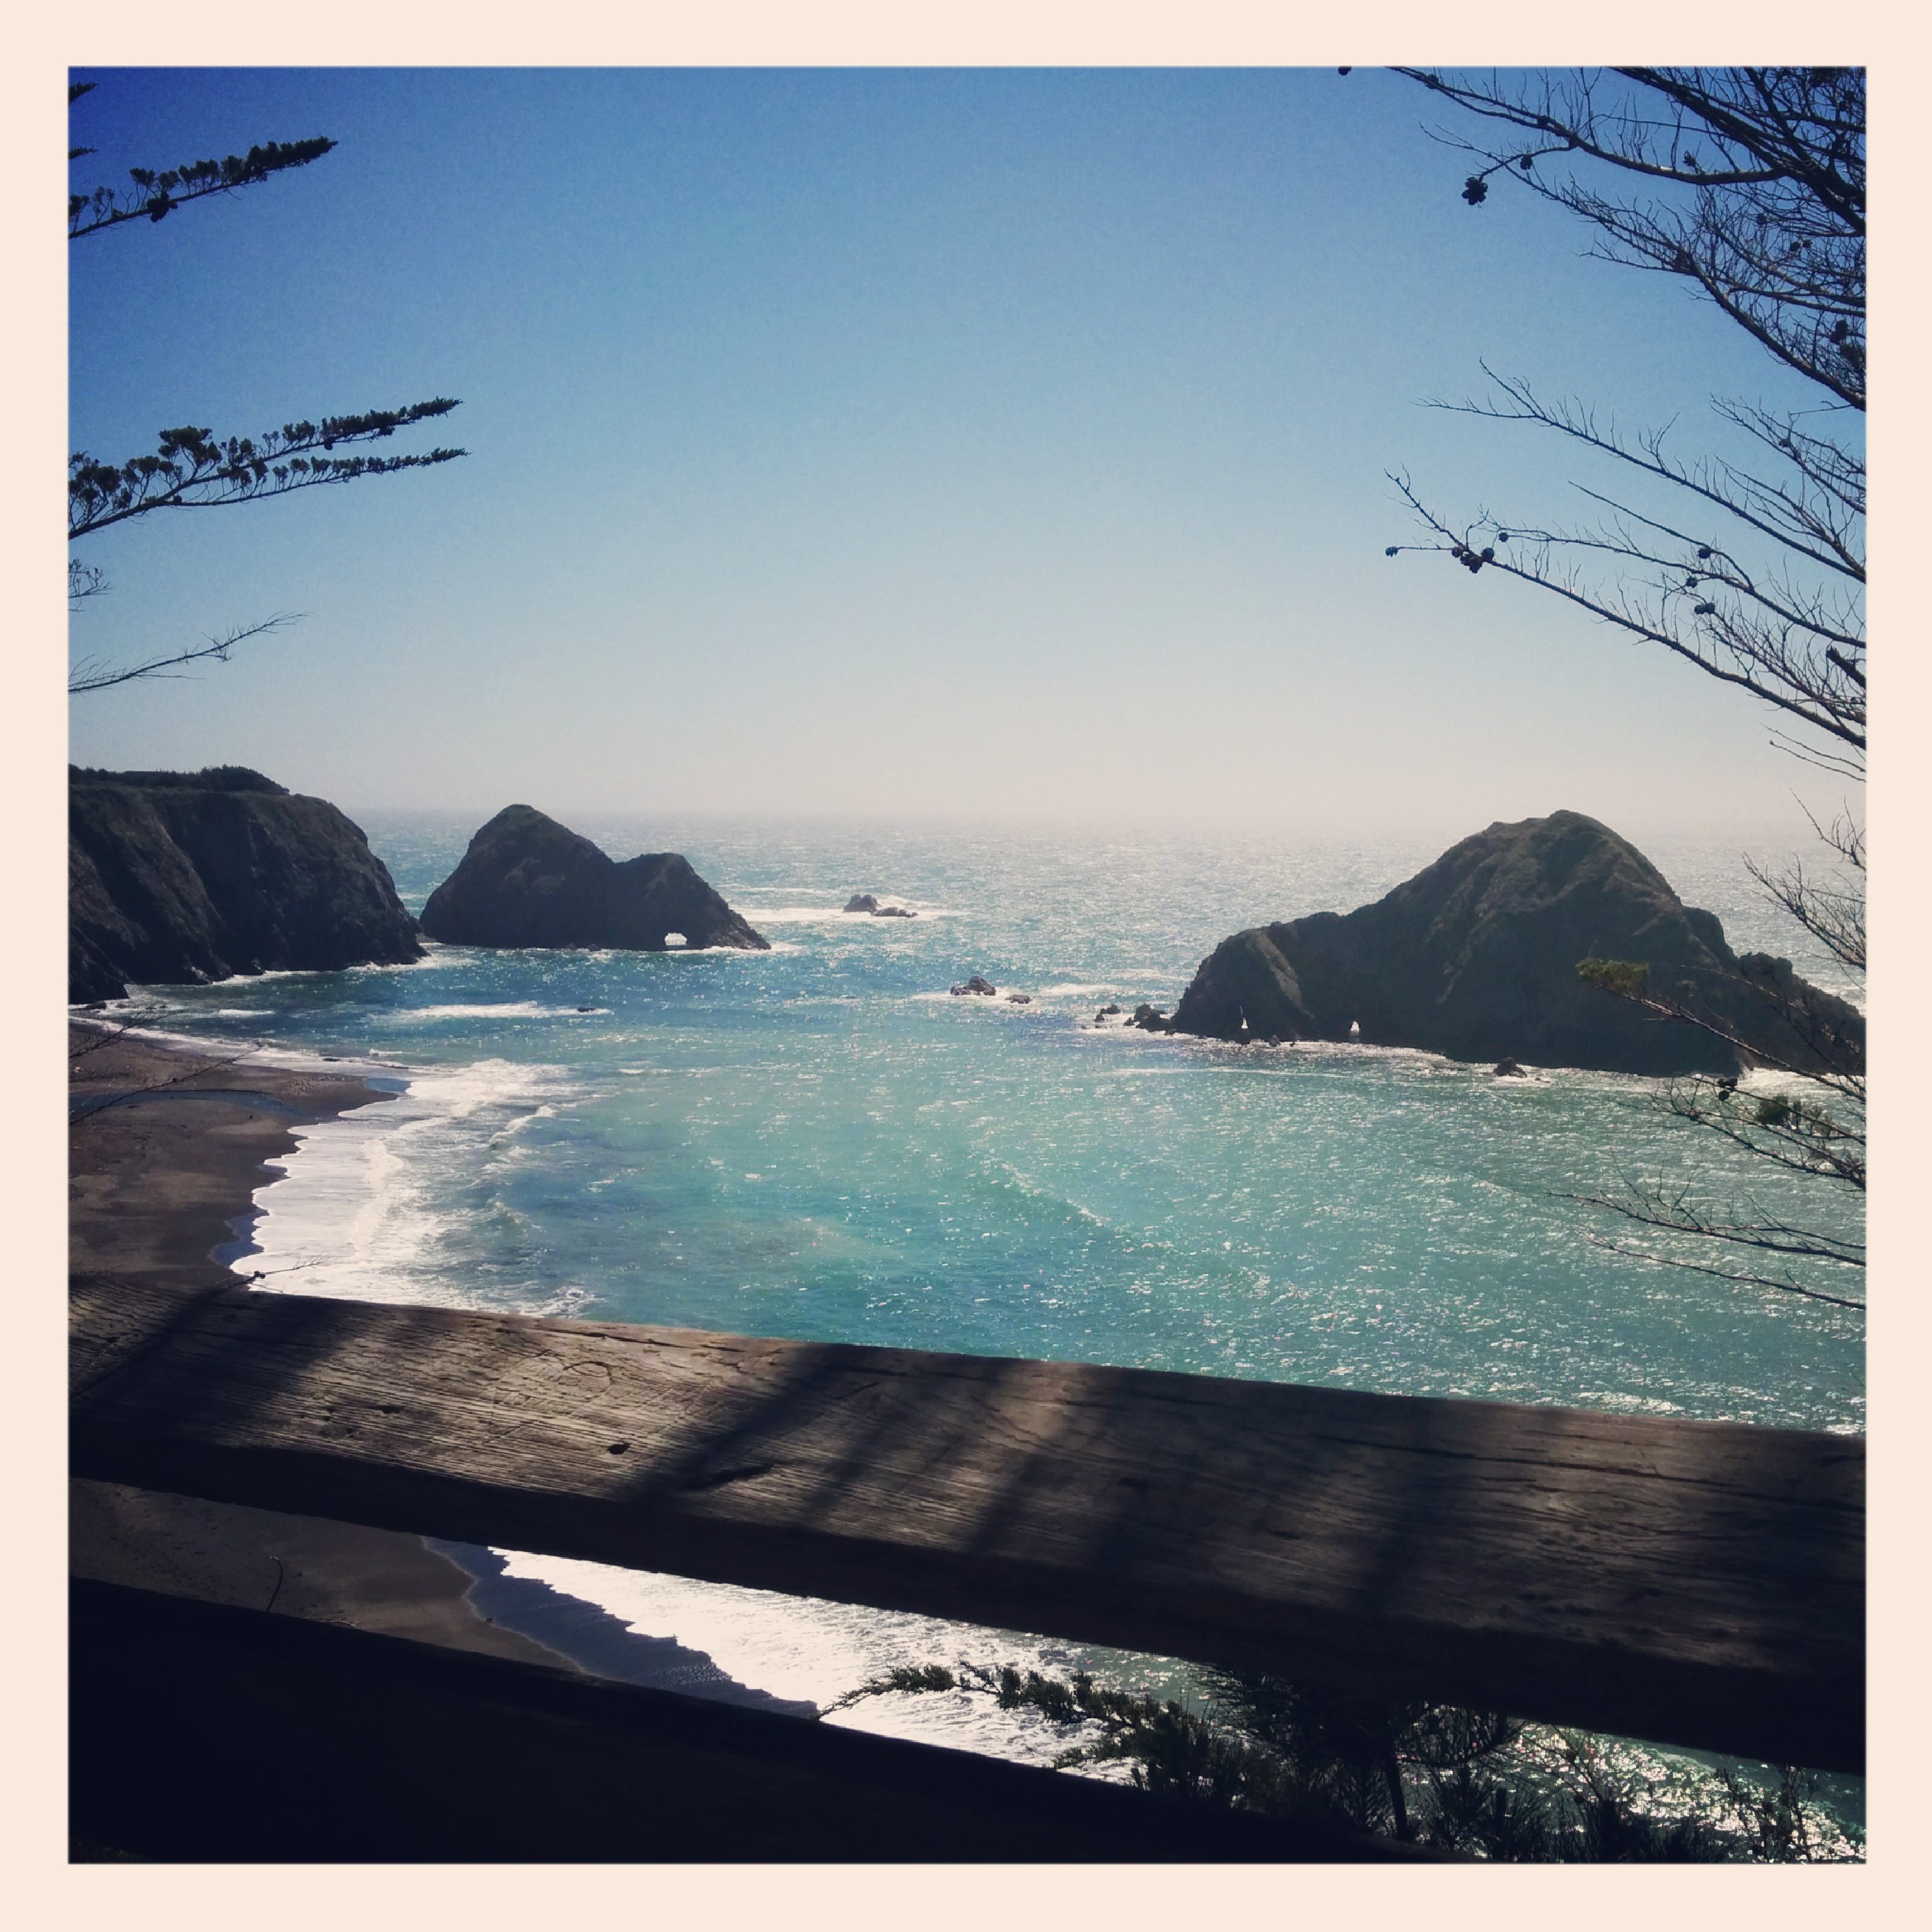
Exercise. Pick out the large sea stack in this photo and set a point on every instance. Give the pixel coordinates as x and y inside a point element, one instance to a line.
<point>527,881</point>
<point>1476,958</point>
<point>179,877</point>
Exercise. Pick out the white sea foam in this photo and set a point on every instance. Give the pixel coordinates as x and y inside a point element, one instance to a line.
<point>501,1010</point>
<point>837,915</point>
<point>998,999</point>
<point>244,1053</point>
<point>804,1648</point>
<point>170,994</point>
<point>353,1216</point>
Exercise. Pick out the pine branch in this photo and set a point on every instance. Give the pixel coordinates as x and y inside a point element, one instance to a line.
<point>192,470</point>
<point>154,196</point>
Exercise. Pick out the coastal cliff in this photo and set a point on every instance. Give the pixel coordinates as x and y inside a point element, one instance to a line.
<point>186,877</point>
<point>1476,958</point>
<point>527,881</point>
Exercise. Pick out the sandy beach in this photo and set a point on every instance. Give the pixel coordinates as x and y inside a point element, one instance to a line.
<point>167,1146</point>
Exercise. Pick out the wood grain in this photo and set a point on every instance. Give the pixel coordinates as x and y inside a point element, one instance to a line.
<point>1695,1583</point>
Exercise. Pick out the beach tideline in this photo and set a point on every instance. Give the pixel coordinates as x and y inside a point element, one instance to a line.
<point>167,1147</point>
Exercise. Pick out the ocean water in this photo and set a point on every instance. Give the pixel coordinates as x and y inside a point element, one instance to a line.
<point>821,1142</point>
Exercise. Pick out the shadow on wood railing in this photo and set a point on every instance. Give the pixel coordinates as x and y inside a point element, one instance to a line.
<point>1696,1584</point>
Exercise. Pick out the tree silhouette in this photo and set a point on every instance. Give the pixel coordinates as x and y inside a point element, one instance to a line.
<point>1747,184</point>
<point>191,468</point>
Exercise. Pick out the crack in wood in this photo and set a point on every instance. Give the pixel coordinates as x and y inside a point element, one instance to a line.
<point>748,1472</point>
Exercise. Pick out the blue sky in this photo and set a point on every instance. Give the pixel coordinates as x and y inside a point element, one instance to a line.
<point>983,445</point>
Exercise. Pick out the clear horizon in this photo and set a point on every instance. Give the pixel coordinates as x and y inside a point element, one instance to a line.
<point>993,446</point>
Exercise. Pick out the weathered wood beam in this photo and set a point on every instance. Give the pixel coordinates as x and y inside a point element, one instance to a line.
<point>1694,1583</point>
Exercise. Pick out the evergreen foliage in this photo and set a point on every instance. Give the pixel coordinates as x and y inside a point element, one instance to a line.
<point>1474,1782</point>
<point>158,193</point>
<point>191,468</point>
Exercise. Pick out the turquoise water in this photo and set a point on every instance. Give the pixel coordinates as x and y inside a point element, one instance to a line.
<point>821,1142</point>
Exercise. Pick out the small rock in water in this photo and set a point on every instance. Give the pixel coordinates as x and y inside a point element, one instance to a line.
<point>1112,1006</point>
<point>1505,1068</point>
<point>1150,1018</point>
<point>1020,999</point>
<point>978,983</point>
<point>861,902</point>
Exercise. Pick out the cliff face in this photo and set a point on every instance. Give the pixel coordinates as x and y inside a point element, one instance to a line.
<point>1476,957</point>
<point>527,881</point>
<point>178,878</point>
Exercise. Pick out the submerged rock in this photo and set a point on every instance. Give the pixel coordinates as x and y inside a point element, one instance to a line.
<point>527,881</point>
<point>1477,957</point>
<point>181,877</point>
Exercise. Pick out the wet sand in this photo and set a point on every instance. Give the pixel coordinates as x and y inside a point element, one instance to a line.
<point>167,1147</point>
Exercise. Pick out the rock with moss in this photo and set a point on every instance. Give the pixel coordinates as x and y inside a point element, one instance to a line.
<point>181,877</point>
<point>1477,957</point>
<point>527,881</point>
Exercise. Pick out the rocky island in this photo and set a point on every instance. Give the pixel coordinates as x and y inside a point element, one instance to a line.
<point>181,877</point>
<point>527,881</point>
<point>1476,958</point>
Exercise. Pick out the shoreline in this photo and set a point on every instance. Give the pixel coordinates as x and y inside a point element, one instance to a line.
<point>165,1150</point>
<point>167,1147</point>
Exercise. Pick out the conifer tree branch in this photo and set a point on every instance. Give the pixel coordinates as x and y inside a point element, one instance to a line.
<point>191,470</point>
<point>157,193</point>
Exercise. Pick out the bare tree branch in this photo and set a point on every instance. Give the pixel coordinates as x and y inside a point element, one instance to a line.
<point>88,676</point>
<point>1775,664</point>
<point>1784,1283</point>
<point>1832,910</point>
<point>94,1038</point>
<point>1770,222</point>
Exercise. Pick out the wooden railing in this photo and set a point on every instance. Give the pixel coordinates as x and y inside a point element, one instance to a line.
<point>1694,1583</point>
